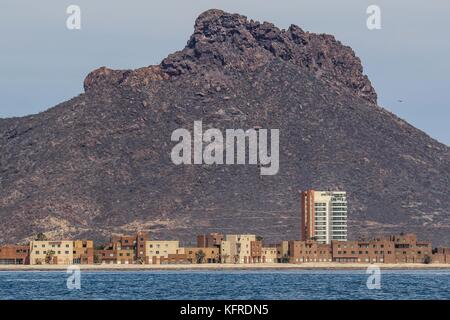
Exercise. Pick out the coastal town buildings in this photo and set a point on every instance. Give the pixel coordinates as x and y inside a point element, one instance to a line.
<point>158,251</point>
<point>15,254</point>
<point>242,248</point>
<point>202,255</point>
<point>209,240</point>
<point>441,255</point>
<point>323,240</point>
<point>309,251</point>
<point>236,249</point>
<point>51,252</point>
<point>123,249</point>
<point>83,252</point>
<point>269,254</point>
<point>283,251</point>
<point>324,216</point>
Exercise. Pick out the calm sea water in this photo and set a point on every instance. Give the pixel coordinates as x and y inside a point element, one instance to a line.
<point>245,285</point>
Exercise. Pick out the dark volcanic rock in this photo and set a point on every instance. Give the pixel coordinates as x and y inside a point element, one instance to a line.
<point>100,163</point>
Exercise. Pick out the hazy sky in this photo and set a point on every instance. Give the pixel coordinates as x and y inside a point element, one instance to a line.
<point>43,63</point>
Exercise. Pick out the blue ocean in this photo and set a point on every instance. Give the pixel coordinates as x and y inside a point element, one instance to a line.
<point>241,285</point>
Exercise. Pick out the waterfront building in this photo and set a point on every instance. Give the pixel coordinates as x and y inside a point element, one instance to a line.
<point>269,254</point>
<point>14,254</point>
<point>159,250</point>
<point>242,248</point>
<point>441,255</point>
<point>378,250</point>
<point>209,254</point>
<point>324,216</point>
<point>83,252</point>
<point>123,249</point>
<point>309,251</point>
<point>283,252</point>
<point>209,240</point>
<point>51,252</point>
<point>409,250</point>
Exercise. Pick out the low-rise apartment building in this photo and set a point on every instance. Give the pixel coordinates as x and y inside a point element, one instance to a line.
<point>107,255</point>
<point>123,249</point>
<point>379,250</point>
<point>391,249</point>
<point>51,252</point>
<point>309,251</point>
<point>14,254</point>
<point>158,250</point>
<point>209,240</point>
<point>441,255</point>
<point>202,255</point>
<point>283,252</point>
<point>409,250</point>
<point>269,254</point>
<point>242,248</point>
<point>83,252</point>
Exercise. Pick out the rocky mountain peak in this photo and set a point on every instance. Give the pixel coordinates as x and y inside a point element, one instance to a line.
<point>232,41</point>
<point>224,41</point>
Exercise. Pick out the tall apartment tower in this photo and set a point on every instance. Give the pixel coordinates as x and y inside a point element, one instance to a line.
<point>324,216</point>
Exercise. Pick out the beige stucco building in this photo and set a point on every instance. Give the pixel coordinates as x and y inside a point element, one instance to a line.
<point>237,248</point>
<point>157,249</point>
<point>283,251</point>
<point>51,252</point>
<point>269,254</point>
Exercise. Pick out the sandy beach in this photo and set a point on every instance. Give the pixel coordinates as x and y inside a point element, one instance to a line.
<point>219,267</point>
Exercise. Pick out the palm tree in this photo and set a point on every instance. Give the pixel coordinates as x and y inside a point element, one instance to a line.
<point>200,256</point>
<point>427,259</point>
<point>285,259</point>
<point>49,257</point>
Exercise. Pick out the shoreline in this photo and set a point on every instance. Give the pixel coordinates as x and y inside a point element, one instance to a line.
<point>227,267</point>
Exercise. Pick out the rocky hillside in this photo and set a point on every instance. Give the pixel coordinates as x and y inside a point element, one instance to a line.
<point>100,163</point>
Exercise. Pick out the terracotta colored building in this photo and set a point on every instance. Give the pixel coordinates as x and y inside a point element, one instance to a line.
<point>391,249</point>
<point>441,255</point>
<point>256,252</point>
<point>83,252</point>
<point>309,251</point>
<point>14,254</point>
<point>124,250</point>
<point>379,250</point>
<point>209,240</point>
<point>409,250</point>
<point>175,258</point>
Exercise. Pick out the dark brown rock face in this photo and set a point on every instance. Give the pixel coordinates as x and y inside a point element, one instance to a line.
<point>100,163</point>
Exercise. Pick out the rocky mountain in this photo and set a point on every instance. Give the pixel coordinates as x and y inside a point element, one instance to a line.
<point>100,162</point>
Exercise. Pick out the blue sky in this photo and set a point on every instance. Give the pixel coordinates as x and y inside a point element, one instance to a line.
<point>43,63</point>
